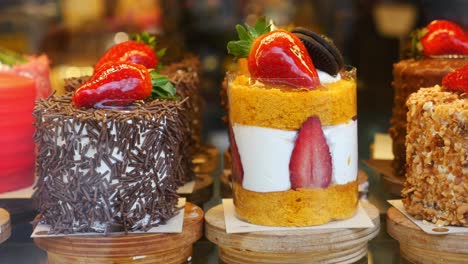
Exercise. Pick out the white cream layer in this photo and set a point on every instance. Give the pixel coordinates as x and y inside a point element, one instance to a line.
<point>265,154</point>
<point>327,78</point>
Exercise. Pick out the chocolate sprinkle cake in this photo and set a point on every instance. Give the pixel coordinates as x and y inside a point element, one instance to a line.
<point>108,170</point>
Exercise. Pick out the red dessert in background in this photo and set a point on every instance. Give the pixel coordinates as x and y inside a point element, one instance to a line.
<point>17,95</point>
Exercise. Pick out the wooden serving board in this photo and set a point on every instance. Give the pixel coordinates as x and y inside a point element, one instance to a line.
<point>5,225</point>
<point>202,191</point>
<point>420,247</point>
<point>131,248</point>
<point>302,246</point>
<point>206,161</point>
<point>392,183</point>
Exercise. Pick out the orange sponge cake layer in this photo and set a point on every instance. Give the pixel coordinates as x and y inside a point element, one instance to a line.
<point>285,108</point>
<point>301,207</point>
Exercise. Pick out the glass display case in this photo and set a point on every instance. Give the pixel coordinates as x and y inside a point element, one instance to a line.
<point>69,36</point>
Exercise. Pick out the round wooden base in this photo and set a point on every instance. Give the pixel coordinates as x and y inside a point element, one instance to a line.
<point>302,246</point>
<point>131,248</point>
<point>206,161</point>
<point>202,191</point>
<point>5,226</point>
<point>419,247</point>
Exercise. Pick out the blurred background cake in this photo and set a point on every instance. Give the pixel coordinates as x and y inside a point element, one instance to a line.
<point>434,58</point>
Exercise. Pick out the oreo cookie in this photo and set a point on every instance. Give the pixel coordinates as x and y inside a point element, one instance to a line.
<point>321,49</point>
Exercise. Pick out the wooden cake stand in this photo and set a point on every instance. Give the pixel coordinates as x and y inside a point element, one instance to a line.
<point>392,183</point>
<point>419,247</point>
<point>5,226</point>
<point>202,191</point>
<point>131,248</point>
<point>302,246</point>
<point>206,161</point>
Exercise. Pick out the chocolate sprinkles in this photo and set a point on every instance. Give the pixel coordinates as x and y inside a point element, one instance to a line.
<point>109,170</point>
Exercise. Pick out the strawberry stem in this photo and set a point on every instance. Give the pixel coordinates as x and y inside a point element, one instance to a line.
<point>417,48</point>
<point>162,87</point>
<point>146,38</point>
<point>247,35</point>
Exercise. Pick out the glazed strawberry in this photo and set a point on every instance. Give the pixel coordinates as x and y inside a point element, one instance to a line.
<point>441,37</point>
<point>237,170</point>
<point>140,51</point>
<point>120,84</point>
<point>276,57</point>
<point>457,80</point>
<point>311,164</point>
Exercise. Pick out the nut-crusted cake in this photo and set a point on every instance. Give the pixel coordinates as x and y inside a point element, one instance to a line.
<point>436,187</point>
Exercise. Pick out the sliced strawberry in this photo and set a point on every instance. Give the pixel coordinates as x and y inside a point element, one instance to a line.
<point>440,37</point>
<point>114,84</point>
<point>139,51</point>
<point>120,84</point>
<point>275,57</point>
<point>457,80</point>
<point>311,164</point>
<point>280,57</point>
<point>237,170</point>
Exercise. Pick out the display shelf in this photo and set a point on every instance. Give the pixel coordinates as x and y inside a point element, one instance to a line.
<point>5,226</point>
<point>301,246</point>
<point>419,247</point>
<point>167,248</point>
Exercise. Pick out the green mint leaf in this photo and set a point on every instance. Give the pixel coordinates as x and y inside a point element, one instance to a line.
<point>160,53</point>
<point>162,87</point>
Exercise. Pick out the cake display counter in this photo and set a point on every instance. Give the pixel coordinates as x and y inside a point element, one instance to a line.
<point>232,132</point>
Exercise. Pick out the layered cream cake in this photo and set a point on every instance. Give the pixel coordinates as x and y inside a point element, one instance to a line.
<point>293,130</point>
